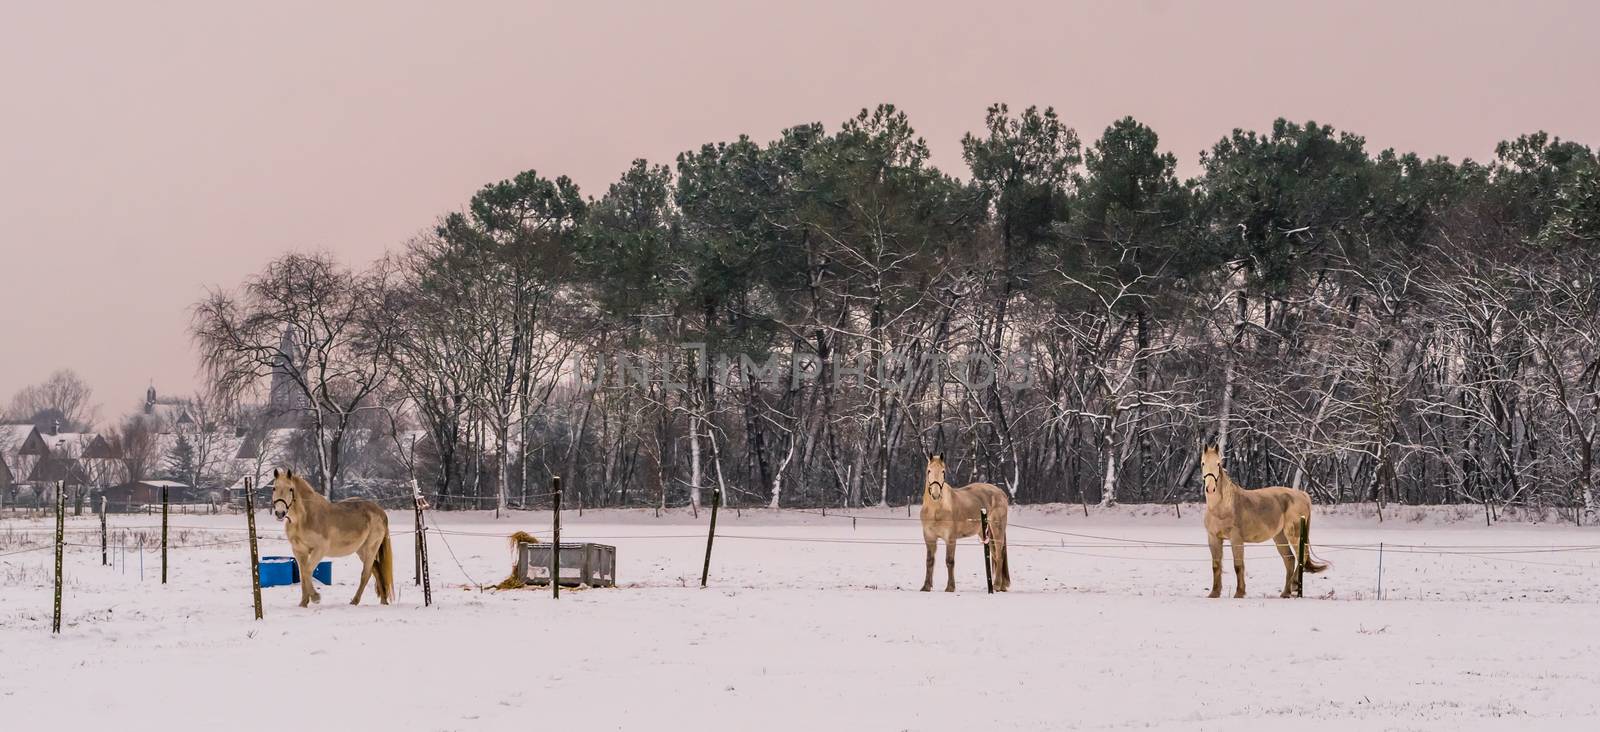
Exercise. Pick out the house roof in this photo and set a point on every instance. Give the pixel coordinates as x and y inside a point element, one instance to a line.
<point>268,445</point>
<point>15,433</point>
<point>67,445</point>
<point>100,449</point>
<point>12,438</point>
<point>49,470</point>
<point>161,483</point>
<point>154,484</point>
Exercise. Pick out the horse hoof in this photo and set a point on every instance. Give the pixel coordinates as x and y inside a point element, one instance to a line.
<point>1239,594</point>
<point>926,588</point>
<point>949,589</point>
<point>1215,594</point>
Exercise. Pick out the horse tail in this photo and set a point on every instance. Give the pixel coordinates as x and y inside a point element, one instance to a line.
<point>1313,565</point>
<point>1005,563</point>
<point>383,569</point>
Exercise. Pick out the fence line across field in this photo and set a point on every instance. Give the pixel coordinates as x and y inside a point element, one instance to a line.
<point>1100,544</point>
<point>1503,548</point>
<point>452,552</point>
<point>1099,541</point>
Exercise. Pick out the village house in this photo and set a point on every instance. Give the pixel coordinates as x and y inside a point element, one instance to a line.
<point>79,461</point>
<point>137,495</point>
<point>6,480</point>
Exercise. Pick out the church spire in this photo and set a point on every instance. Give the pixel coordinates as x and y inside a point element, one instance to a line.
<point>284,395</point>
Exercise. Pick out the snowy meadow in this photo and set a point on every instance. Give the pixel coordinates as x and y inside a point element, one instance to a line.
<point>814,621</point>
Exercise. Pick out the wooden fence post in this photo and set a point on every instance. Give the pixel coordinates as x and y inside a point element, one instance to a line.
<point>165,505</point>
<point>716,502</point>
<point>1300,566</point>
<point>422,545</point>
<point>104,560</point>
<point>255,555</point>
<point>988,561</point>
<point>416,534</point>
<point>61,541</point>
<point>555,540</point>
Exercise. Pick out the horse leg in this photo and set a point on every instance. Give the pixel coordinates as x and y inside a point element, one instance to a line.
<point>1237,540</point>
<point>316,595</point>
<point>1216,564</point>
<point>303,558</point>
<point>950,563</point>
<point>1002,573</point>
<point>366,573</point>
<point>1282,540</point>
<point>933,548</point>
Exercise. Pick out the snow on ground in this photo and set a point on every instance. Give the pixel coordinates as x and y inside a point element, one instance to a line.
<point>813,622</point>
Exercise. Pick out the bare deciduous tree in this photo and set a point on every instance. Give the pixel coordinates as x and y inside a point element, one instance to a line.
<point>301,318</point>
<point>63,398</point>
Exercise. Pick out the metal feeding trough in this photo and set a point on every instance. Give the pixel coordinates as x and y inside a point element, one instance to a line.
<point>277,571</point>
<point>594,565</point>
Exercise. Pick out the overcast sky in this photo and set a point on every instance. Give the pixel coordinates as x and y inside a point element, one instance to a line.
<point>153,149</point>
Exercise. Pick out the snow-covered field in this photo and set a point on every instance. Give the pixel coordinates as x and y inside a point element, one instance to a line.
<point>813,622</point>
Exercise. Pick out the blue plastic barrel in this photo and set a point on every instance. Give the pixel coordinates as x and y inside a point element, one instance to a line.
<point>277,571</point>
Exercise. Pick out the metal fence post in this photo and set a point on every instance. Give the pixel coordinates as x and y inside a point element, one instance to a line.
<point>1380,570</point>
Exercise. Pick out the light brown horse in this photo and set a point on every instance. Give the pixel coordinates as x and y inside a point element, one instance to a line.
<point>1241,516</point>
<point>318,528</point>
<point>952,513</point>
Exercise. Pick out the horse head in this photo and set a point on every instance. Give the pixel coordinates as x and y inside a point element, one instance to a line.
<point>282,493</point>
<point>934,486</point>
<point>1211,474</point>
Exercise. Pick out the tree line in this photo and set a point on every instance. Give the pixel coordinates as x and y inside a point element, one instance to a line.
<point>1364,326</point>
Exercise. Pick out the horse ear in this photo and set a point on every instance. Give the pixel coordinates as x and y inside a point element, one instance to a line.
<point>274,473</point>
<point>289,472</point>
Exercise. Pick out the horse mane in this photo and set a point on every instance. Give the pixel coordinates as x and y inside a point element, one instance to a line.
<point>302,486</point>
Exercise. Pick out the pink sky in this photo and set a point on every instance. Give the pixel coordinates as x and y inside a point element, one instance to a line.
<point>150,150</point>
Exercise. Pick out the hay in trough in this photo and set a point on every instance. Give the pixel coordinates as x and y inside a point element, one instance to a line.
<point>522,537</point>
<point>512,581</point>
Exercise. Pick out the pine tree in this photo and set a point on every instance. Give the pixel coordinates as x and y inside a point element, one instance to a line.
<point>180,462</point>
